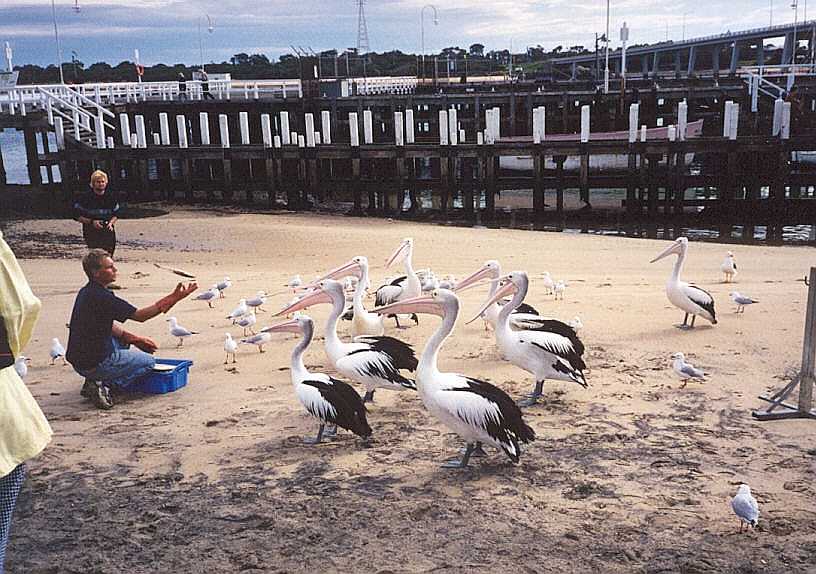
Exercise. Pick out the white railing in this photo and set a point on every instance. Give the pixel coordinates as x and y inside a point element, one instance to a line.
<point>384,85</point>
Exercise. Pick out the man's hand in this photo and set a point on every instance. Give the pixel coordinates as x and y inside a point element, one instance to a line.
<point>180,292</point>
<point>97,224</point>
<point>146,344</point>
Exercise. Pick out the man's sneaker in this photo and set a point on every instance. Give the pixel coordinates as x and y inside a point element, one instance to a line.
<point>102,397</point>
<point>88,389</point>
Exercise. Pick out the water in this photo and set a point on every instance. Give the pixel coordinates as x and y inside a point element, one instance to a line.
<point>12,146</point>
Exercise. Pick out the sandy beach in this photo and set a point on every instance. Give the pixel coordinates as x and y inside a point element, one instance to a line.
<point>633,474</point>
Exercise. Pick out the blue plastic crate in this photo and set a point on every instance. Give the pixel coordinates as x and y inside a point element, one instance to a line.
<point>160,382</point>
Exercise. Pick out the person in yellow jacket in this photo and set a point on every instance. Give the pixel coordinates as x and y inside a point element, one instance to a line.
<point>24,430</point>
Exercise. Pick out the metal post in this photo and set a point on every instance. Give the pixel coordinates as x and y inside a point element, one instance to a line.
<point>806,375</point>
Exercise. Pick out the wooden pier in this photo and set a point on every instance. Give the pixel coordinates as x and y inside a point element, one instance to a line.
<point>373,152</point>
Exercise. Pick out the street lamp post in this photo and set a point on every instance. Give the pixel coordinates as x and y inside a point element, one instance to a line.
<point>422,31</point>
<point>606,68</point>
<point>210,29</point>
<point>56,36</point>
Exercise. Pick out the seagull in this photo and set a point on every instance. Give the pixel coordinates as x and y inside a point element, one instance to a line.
<point>246,322</point>
<point>239,311</point>
<point>294,282</point>
<point>230,347</point>
<point>559,289</point>
<point>57,350</point>
<point>548,282</point>
<point>741,301</point>
<point>729,267</point>
<point>745,507</point>
<point>686,370</point>
<point>223,286</point>
<point>177,330</point>
<point>209,295</point>
<point>21,366</point>
<point>260,339</point>
<point>256,301</point>
<point>576,324</point>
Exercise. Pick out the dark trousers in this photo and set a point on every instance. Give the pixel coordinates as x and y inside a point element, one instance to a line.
<point>10,486</point>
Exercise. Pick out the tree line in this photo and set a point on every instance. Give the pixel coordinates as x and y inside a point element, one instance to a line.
<point>330,64</point>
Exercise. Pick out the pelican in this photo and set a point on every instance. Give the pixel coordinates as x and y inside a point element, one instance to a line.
<point>552,351</point>
<point>329,400</point>
<point>372,361</point>
<point>729,267</point>
<point>405,286</point>
<point>693,300</point>
<point>524,317</point>
<point>477,411</point>
<point>363,323</point>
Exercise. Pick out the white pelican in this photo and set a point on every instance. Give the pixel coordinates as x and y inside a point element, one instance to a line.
<point>741,301</point>
<point>685,370</point>
<point>729,267</point>
<point>524,317</point>
<point>690,299</point>
<point>177,330</point>
<point>363,323</point>
<point>745,507</point>
<point>475,410</point>
<point>405,286</point>
<point>329,400</point>
<point>374,362</point>
<point>57,350</point>
<point>230,347</point>
<point>552,351</point>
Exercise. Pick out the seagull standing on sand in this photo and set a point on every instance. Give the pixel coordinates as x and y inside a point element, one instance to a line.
<point>689,298</point>
<point>209,296</point>
<point>686,370</point>
<point>223,286</point>
<point>57,351</point>
<point>260,339</point>
<point>246,322</point>
<point>745,507</point>
<point>729,267</point>
<point>230,347</point>
<point>294,282</point>
<point>559,290</point>
<point>239,311</point>
<point>741,301</point>
<point>256,301</point>
<point>177,330</point>
<point>21,366</point>
<point>547,282</point>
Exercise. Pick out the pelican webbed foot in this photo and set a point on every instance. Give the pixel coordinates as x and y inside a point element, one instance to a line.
<point>317,439</point>
<point>368,397</point>
<point>331,430</point>
<point>478,451</point>
<point>461,462</point>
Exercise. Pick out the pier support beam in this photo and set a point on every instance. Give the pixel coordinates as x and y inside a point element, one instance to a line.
<point>559,184</point>
<point>32,158</point>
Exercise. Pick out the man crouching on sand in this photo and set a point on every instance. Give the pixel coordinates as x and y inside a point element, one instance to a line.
<point>98,348</point>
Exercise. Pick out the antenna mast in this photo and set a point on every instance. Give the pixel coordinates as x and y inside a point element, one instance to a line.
<point>362,30</point>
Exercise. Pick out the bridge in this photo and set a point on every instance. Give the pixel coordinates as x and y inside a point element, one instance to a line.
<point>698,56</point>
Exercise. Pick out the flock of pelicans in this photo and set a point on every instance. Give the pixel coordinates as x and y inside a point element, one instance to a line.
<point>479,412</point>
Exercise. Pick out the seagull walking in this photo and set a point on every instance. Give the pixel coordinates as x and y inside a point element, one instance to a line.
<point>177,330</point>
<point>230,348</point>
<point>559,290</point>
<point>729,267</point>
<point>741,301</point>
<point>547,282</point>
<point>57,351</point>
<point>686,370</point>
<point>745,507</point>
<point>21,366</point>
<point>246,322</point>
<point>294,282</point>
<point>260,340</point>
<point>223,286</point>
<point>209,296</point>
<point>241,310</point>
<point>256,301</point>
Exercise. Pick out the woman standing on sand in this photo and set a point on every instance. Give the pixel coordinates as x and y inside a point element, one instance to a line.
<point>98,211</point>
<point>24,431</point>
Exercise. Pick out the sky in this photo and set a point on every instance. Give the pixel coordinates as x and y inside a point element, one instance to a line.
<point>167,31</point>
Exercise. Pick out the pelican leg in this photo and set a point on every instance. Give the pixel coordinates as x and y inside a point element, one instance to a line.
<point>533,397</point>
<point>331,430</point>
<point>317,439</point>
<point>685,322</point>
<point>415,318</point>
<point>693,318</point>
<point>462,462</point>
<point>478,451</point>
<point>369,396</point>
<point>396,319</point>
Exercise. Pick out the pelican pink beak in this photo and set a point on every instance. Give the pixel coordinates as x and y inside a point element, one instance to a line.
<point>506,287</point>
<point>351,267</point>
<point>425,304</point>
<point>401,253</point>
<point>315,297</point>
<point>676,248</point>
<point>484,272</point>
<point>292,326</point>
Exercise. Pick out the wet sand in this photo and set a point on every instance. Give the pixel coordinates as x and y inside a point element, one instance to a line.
<point>633,474</point>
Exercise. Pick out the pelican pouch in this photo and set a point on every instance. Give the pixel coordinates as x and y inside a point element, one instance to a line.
<point>6,356</point>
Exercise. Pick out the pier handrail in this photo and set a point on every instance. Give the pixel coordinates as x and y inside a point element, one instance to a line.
<point>80,110</point>
<point>72,92</point>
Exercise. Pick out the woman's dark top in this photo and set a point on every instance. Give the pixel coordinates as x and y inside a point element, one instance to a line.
<point>102,208</point>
